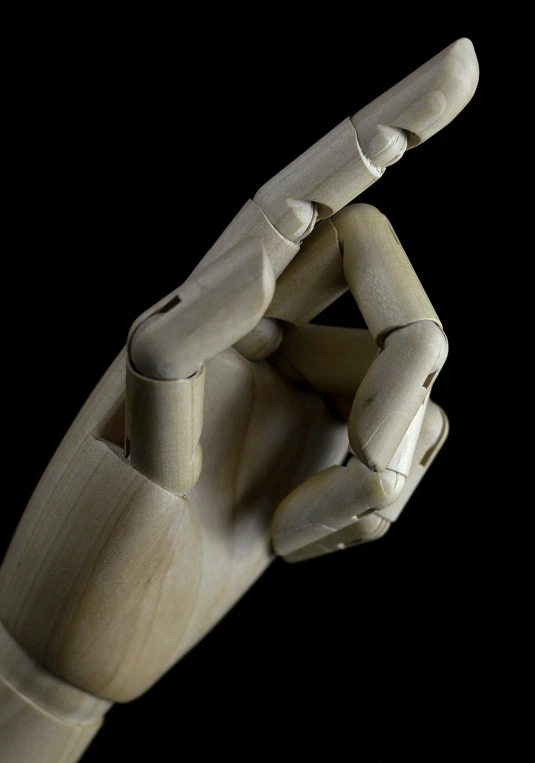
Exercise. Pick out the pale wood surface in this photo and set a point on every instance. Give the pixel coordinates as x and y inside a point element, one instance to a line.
<point>262,341</point>
<point>341,507</point>
<point>329,501</point>
<point>318,183</point>
<point>396,385</point>
<point>110,578</point>
<point>313,280</point>
<point>421,104</point>
<point>214,308</point>
<point>333,360</point>
<point>379,273</point>
<point>41,717</point>
<point>28,735</point>
<point>252,221</point>
<point>435,429</point>
<point>163,428</point>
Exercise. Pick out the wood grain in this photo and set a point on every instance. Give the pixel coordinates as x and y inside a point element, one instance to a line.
<point>41,717</point>
<point>110,578</point>
<point>379,273</point>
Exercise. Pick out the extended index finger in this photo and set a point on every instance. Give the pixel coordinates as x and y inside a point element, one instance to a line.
<point>346,161</point>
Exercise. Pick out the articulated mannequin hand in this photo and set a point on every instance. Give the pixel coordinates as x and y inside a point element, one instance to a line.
<point>244,431</point>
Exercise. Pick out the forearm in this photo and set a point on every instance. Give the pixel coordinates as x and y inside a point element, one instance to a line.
<point>42,718</point>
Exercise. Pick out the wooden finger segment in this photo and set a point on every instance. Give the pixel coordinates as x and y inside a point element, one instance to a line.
<point>435,429</point>
<point>163,428</point>
<point>262,341</point>
<point>252,221</point>
<point>401,461</point>
<point>207,314</point>
<point>393,390</point>
<point>327,510</point>
<point>379,273</point>
<point>318,183</point>
<point>329,501</point>
<point>167,349</point>
<point>368,528</point>
<point>312,281</point>
<point>421,104</point>
<point>325,535</point>
<point>332,360</point>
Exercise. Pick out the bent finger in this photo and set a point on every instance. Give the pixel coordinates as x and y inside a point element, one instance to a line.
<point>168,347</point>
<point>334,510</point>
<point>404,325</point>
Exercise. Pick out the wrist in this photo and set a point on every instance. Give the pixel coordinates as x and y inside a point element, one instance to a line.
<point>42,718</point>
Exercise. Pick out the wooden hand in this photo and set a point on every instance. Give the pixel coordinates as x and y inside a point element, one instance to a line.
<point>162,506</point>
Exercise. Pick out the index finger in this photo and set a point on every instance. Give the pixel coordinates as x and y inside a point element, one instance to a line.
<point>350,158</point>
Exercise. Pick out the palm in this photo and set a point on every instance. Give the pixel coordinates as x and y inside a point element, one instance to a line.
<point>177,564</point>
<point>262,436</point>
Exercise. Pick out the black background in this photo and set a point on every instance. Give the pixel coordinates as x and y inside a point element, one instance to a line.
<point>131,156</point>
